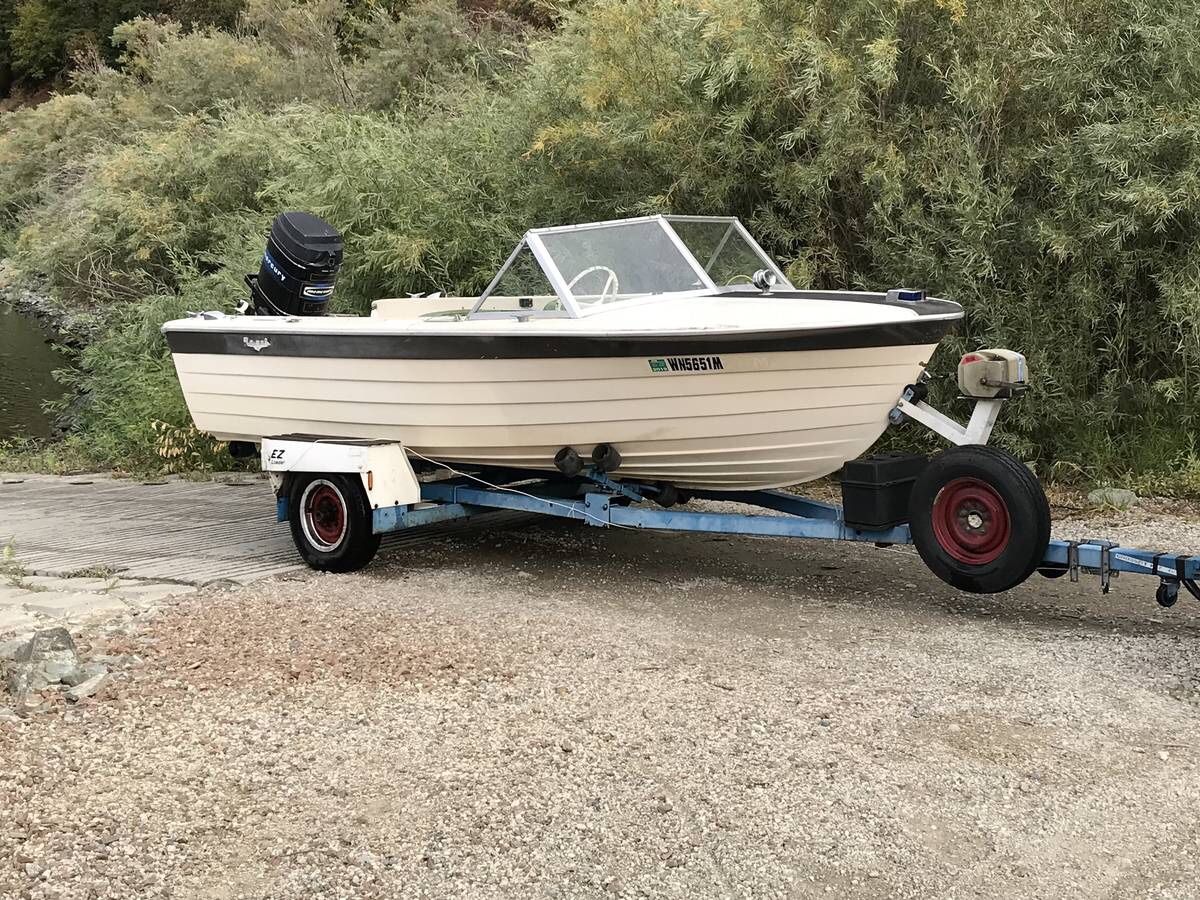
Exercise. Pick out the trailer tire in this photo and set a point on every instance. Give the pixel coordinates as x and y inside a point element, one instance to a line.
<point>331,522</point>
<point>979,519</point>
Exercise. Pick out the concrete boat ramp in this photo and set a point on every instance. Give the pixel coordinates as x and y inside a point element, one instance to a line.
<point>193,532</point>
<point>82,545</point>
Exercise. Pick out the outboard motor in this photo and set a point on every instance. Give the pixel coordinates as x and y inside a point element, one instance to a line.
<point>298,269</point>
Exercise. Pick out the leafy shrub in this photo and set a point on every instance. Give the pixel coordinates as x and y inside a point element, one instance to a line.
<point>217,13</point>
<point>133,414</point>
<point>412,54</point>
<point>44,149</point>
<point>143,213</point>
<point>1038,163</point>
<point>179,72</point>
<point>38,36</point>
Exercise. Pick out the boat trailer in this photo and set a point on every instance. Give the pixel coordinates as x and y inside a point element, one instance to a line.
<point>977,516</point>
<point>347,493</point>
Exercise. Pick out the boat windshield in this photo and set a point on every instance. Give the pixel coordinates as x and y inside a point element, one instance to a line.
<point>725,249</point>
<point>607,263</point>
<point>589,266</point>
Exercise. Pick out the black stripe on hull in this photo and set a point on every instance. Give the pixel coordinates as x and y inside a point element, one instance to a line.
<point>543,346</point>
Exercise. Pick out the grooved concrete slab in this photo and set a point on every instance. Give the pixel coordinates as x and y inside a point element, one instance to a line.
<point>192,532</point>
<point>171,530</point>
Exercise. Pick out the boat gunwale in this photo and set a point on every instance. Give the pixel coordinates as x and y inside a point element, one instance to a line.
<point>229,338</point>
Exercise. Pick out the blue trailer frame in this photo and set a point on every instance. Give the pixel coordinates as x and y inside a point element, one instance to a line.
<point>599,501</point>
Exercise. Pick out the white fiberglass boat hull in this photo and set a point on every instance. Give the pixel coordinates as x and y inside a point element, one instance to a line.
<point>801,387</point>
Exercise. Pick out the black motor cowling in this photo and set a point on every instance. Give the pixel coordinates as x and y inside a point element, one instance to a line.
<point>299,267</point>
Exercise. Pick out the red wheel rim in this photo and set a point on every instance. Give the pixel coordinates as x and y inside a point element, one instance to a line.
<point>324,515</point>
<point>971,522</point>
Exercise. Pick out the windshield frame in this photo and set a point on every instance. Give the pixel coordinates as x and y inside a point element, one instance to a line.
<point>574,308</point>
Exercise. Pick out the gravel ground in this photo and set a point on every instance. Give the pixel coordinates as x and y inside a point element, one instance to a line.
<point>553,711</point>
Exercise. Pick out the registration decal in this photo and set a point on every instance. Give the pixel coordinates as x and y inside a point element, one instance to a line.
<point>686,364</point>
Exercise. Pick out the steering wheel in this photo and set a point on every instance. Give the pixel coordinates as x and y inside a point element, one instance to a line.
<point>610,280</point>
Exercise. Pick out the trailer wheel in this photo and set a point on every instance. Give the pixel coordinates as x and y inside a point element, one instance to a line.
<point>979,519</point>
<point>331,522</point>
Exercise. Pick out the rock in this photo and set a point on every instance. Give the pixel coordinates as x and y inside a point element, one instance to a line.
<point>21,683</point>
<point>87,688</point>
<point>46,658</point>
<point>1117,498</point>
<point>7,715</point>
<point>75,676</point>
<point>62,671</point>
<point>51,640</point>
<point>9,649</point>
<point>79,674</point>
<point>110,661</point>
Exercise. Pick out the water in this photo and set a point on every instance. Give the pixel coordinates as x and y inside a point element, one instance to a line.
<point>26,361</point>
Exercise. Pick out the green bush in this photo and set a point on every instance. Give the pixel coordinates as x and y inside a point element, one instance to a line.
<point>217,13</point>
<point>426,48</point>
<point>142,214</point>
<point>1038,163</point>
<point>45,150</point>
<point>134,417</point>
<point>38,36</point>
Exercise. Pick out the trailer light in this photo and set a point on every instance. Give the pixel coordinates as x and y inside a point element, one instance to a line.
<point>970,358</point>
<point>370,480</point>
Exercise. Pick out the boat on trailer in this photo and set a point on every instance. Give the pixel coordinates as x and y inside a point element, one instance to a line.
<point>612,373</point>
<point>676,339</point>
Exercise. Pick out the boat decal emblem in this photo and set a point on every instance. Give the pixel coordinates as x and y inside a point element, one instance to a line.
<point>686,364</point>
<point>256,344</point>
